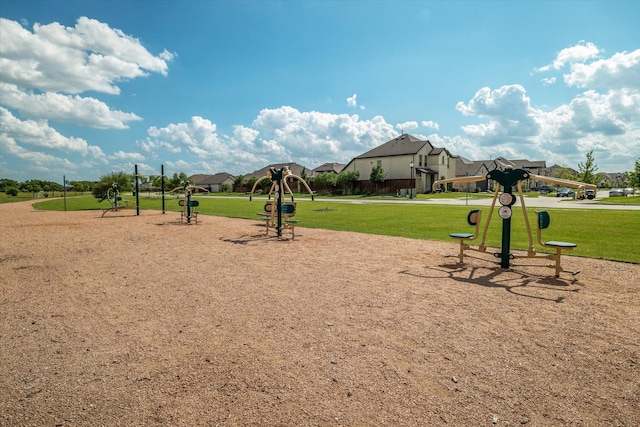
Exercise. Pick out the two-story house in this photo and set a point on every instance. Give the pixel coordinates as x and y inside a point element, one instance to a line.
<point>408,162</point>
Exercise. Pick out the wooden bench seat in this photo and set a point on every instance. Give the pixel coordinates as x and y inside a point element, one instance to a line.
<point>543,222</point>
<point>270,216</point>
<point>473,219</point>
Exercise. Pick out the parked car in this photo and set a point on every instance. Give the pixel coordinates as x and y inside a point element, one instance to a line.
<point>616,192</point>
<point>629,191</point>
<point>565,192</point>
<point>544,189</point>
<point>590,193</point>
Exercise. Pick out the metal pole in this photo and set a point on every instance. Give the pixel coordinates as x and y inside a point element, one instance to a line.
<point>64,190</point>
<point>411,183</point>
<point>162,185</point>
<point>506,238</point>
<point>188,202</point>
<point>137,192</point>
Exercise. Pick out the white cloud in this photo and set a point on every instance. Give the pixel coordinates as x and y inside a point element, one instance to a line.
<point>38,161</point>
<point>63,108</point>
<point>430,124</point>
<point>508,110</point>
<point>409,125</point>
<point>351,101</point>
<point>198,137</point>
<point>315,137</point>
<point>89,56</point>
<point>548,81</point>
<point>578,53</point>
<point>121,155</point>
<point>39,135</point>
<point>606,123</point>
<point>276,135</point>
<point>622,70</point>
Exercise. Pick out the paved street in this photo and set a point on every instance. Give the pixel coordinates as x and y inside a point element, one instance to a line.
<point>534,202</point>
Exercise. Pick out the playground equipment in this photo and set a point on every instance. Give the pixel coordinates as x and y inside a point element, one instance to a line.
<point>474,220</point>
<point>277,214</point>
<point>113,195</point>
<point>188,213</point>
<point>288,210</point>
<point>508,179</point>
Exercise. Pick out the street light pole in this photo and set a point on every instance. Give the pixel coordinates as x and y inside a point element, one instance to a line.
<point>411,184</point>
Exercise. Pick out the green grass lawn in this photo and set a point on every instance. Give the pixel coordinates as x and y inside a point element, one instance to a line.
<point>606,234</point>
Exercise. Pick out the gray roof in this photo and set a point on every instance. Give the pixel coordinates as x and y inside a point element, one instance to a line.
<point>466,167</point>
<point>401,145</point>
<point>329,167</point>
<point>295,169</point>
<point>215,179</point>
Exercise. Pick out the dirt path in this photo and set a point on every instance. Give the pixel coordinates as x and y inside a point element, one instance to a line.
<point>135,320</point>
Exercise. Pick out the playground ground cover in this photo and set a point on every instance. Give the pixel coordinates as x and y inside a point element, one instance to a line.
<point>588,228</point>
<point>137,320</point>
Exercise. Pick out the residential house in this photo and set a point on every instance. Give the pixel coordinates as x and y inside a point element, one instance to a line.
<point>613,180</point>
<point>408,162</point>
<point>556,169</point>
<point>328,167</point>
<point>466,167</point>
<point>214,182</point>
<point>295,168</point>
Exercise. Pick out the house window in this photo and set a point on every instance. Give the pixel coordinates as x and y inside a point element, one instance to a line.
<point>420,160</point>
<point>379,163</point>
<point>443,160</point>
<point>448,162</point>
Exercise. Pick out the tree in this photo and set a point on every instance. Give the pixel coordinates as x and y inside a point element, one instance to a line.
<point>6,183</point>
<point>238,181</point>
<point>31,186</point>
<point>566,173</point>
<point>121,180</point>
<point>156,181</point>
<point>325,181</point>
<point>177,180</point>
<point>377,175</point>
<point>78,186</point>
<point>587,170</point>
<point>634,176</point>
<point>346,179</point>
<point>251,181</point>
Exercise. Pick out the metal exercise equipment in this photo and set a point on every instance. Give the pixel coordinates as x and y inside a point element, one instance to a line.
<point>188,213</point>
<point>279,186</point>
<point>508,179</point>
<point>113,195</point>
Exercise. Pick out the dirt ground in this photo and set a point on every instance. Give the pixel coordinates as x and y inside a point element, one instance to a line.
<point>136,320</point>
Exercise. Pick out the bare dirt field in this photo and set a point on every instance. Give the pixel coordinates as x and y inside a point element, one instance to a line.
<point>136,320</point>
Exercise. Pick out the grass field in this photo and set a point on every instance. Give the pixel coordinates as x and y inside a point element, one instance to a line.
<point>606,234</point>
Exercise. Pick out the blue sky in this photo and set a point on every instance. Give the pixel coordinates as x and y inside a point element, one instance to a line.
<point>91,87</point>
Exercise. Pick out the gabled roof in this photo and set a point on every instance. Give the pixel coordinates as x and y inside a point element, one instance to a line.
<point>295,169</point>
<point>466,167</point>
<point>215,179</point>
<point>401,145</point>
<point>329,167</point>
<point>529,164</point>
<point>435,151</point>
